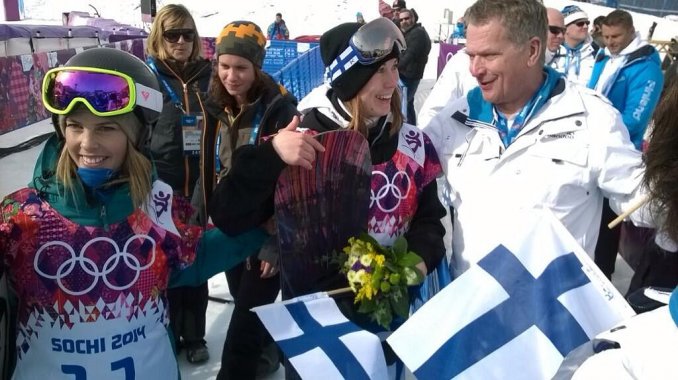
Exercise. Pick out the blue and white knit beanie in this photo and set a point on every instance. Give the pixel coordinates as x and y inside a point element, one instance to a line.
<point>572,13</point>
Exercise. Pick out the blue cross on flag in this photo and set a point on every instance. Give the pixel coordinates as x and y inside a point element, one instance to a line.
<point>517,313</point>
<point>320,342</point>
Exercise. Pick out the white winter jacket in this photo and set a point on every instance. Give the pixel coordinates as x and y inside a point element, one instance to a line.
<point>571,153</point>
<point>576,68</point>
<point>454,82</point>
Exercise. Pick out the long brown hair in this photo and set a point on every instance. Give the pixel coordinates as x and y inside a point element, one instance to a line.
<point>661,173</point>
<point>220,96</point>
<point>359,121</point>
<point>136,169</point>
<point>171,16</point>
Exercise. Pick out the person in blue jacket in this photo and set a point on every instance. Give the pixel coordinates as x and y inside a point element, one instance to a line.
<point>278,29</point>
<point>628,72</point>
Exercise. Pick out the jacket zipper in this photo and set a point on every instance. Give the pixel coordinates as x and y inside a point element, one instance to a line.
<point>104,217</point>
<point>184,85</point>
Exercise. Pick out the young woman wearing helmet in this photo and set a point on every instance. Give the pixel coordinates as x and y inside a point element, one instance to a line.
<point>90,244</point>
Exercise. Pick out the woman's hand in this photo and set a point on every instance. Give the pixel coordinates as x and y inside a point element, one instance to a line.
<point>267,269</point>
<point>422,268</point>
<point>296,148</point>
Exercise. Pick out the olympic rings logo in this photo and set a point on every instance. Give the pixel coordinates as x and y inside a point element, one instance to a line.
<point>390,190</point>
<point>88,265</point>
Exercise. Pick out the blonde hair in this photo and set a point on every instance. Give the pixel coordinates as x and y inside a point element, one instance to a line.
<point>136,169</point>
<point>171,16</point>
<point>358,122</point>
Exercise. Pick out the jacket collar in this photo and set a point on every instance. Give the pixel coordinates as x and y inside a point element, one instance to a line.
<point>558,106</point>
<point>77,206</point>
<point>481,112</point>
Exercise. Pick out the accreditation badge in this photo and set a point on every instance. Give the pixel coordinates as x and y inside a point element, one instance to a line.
<point>191,131</point>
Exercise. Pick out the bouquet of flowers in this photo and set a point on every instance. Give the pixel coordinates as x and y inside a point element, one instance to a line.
<point>379,277</point>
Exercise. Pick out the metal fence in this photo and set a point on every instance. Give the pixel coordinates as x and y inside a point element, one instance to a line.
<point>659,8</point>
<point>303,74</point>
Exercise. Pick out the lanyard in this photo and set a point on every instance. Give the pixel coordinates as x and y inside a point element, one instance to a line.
<point>170,91</point>
<point>508,135</point>
<point>573,53</point>
<point>256,123</point>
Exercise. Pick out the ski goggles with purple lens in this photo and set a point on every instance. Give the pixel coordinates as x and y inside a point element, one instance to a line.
<point>371,43</point>
<point>103,92</point>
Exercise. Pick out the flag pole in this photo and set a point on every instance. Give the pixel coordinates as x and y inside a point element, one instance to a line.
<point>339,291</point>
<point>312,296</point>
<point>642,201</point>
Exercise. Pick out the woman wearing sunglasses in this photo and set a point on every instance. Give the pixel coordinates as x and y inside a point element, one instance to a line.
<point>174,54</point>
<point>90,244</point>
<point>245,109</point>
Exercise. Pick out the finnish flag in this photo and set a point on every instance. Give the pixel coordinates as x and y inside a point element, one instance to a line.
<point>320,342</point>
<point>516,313</point>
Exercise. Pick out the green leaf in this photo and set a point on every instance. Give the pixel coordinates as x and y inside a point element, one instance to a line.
<point>367,306</point>
<point>412,276</point>
<point>392,267</point>
<point>409,259</point>
<point>383,315</point>
<point>378,275</point>
<point>400,305</point>
<point>400,246</point>
<point>369,239</point>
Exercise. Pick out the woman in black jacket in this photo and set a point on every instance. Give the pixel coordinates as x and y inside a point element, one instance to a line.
<point>174,55</point>
<point>247,138</point>
<point>362,96</point>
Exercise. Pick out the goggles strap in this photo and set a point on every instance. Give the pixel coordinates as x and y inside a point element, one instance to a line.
<point>148,97</point>
<point>341,64</point>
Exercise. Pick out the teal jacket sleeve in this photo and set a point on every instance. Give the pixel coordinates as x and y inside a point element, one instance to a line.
<point>218,252</point>
<point>644,88</point>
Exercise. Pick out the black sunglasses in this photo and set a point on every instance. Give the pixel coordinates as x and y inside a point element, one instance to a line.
<point>582,23</point>
<point>556,30</point>
<point>173,35</point>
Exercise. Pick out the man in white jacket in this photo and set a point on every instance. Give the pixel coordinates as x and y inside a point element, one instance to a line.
<point>526,138</point>
<point>554,37</point>
<point>578,51</point>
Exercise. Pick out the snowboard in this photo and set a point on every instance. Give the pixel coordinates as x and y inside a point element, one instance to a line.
<point>318,210</point>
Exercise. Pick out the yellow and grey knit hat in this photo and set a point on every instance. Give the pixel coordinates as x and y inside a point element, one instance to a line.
<point>244,39</point>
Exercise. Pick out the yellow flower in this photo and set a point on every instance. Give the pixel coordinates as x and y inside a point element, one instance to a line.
<point>380,259</point>
<point>366,291</point>
<point>357,248</point>
<point>366,260</point>
<point>361,277</point>
<point>351,277</point>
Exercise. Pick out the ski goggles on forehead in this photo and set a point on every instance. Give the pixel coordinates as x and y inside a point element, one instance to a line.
<point>371,43</point>
<point>103,92</point>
